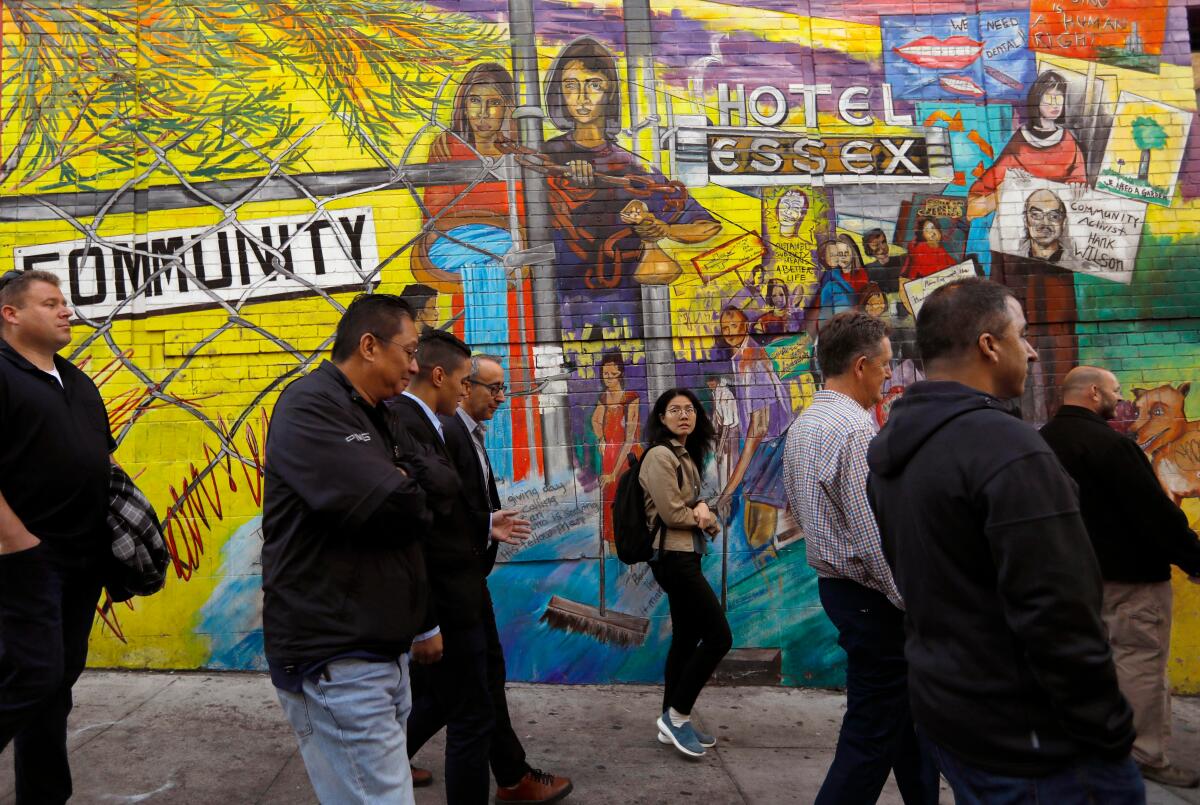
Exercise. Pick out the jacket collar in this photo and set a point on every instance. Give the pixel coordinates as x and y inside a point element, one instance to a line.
<point>1079,412</point>
<point>677,446</point>
<point>330,371</point>
<point>422,412</point>
<point>8,351</point>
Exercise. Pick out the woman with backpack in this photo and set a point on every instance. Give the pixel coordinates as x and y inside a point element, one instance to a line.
<point>678,440</point>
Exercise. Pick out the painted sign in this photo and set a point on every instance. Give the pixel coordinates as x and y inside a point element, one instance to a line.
<point>1069,226</point>
<point>752,157</point>
<point>915,292</point>
<point>1145,149</point>
<point>1123,33</point>
<point>956,56</point>
<point>198,267</point>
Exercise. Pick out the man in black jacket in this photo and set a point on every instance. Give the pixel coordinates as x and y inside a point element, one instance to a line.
<point>1138,533</point>
<point>516,780</point>
<point>1010,673</point>
<point>54,477</point>
<point>451,689</point>
<point>343,579</point>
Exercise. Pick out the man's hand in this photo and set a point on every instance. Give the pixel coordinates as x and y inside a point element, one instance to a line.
<point>19,540</point>
<point>509,527</point>
<point>427,652</point>
<point>704,516</point>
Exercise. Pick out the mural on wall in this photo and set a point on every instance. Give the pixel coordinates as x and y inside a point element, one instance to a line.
<point>612,200</point>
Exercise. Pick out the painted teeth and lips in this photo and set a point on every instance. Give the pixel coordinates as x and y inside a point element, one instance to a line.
<point>941,54</point>
<point>961,85</point>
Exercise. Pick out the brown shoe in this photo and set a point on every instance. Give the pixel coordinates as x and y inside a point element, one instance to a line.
<point>1171,775</point>
<point>421,777</point>
<point>536,787</point>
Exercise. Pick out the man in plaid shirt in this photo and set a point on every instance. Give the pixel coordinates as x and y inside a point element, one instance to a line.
<point>825,474</point>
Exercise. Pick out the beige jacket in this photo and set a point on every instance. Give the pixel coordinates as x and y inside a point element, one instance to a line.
<point>665,498</point>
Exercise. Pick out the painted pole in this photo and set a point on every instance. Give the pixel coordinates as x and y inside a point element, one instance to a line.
<point>548,361</point>
<point>656,299</point>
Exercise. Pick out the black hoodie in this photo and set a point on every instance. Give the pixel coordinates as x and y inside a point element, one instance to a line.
<point>1009,664</point>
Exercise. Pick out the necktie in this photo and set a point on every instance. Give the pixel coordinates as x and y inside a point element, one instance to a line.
<point>478,433</point>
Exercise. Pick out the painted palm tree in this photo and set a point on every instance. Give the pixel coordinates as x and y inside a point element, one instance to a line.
<point>90,88</point>
<point>1147,135</point>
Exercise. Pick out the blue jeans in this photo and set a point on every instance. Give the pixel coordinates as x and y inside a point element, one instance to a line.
<point>878,736</point>
<point>1089,781</point>
<point>350,724</point>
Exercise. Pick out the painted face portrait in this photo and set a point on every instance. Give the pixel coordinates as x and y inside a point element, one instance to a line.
<point>584,91</point>
<point>734,327</point>
<point>1045,216</point>
<point>487,110</point>
<point>930,233</point>
<point>791,208</point>
<point>612,377</point>
<point>1051,105</point>
<point>483,104</point>
<point>842,257</point>
<point>877,247</point>
<point>779,295</point>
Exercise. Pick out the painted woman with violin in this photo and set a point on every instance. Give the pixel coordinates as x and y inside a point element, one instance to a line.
<point>610,208</point>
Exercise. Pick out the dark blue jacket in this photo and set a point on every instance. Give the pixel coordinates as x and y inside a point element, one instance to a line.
<point>342,512</point>
<point>1009,663</point>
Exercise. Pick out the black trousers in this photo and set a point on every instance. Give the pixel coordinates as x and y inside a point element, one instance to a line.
<point>453,693</point>
<point>46,610</point>
<point>507,755</point>
<point>877,734</point>
<point>700,635</point>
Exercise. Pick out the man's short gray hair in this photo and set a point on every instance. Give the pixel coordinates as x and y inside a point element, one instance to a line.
<point>478,359</point>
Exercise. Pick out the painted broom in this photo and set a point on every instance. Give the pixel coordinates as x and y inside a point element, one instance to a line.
<point>607,626</point>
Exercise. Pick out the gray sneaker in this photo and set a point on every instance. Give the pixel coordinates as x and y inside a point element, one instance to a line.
<point>706,740</point>
<point>684,737</point>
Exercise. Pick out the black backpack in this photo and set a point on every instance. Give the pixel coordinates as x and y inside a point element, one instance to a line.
<point>633,538</point>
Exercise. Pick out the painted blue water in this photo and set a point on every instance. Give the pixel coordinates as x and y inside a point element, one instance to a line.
<point>232,616</point>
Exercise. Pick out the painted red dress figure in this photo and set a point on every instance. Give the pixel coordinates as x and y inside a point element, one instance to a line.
<point>1043,148</point>
<point>926,254</point>
<point>615,424</point>
<point>1050,155</point>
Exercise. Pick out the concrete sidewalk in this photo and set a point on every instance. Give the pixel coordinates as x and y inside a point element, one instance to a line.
<point>221,738</point>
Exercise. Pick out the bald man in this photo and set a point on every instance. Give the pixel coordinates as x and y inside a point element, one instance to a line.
<point>1138,533</point>
<point>1045,227</point>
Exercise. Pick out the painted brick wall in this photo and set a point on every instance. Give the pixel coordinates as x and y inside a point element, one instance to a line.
<point>214,182</point>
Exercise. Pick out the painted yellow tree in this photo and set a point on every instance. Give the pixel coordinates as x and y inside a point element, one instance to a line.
<point>91,88</point>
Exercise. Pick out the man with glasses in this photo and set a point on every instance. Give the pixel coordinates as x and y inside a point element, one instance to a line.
<point>344,586</point>
<point>54,476</point>
<point>516,780</point>
<point>825,474</point>
<point>450,684</point>
<point>1045,229</point>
